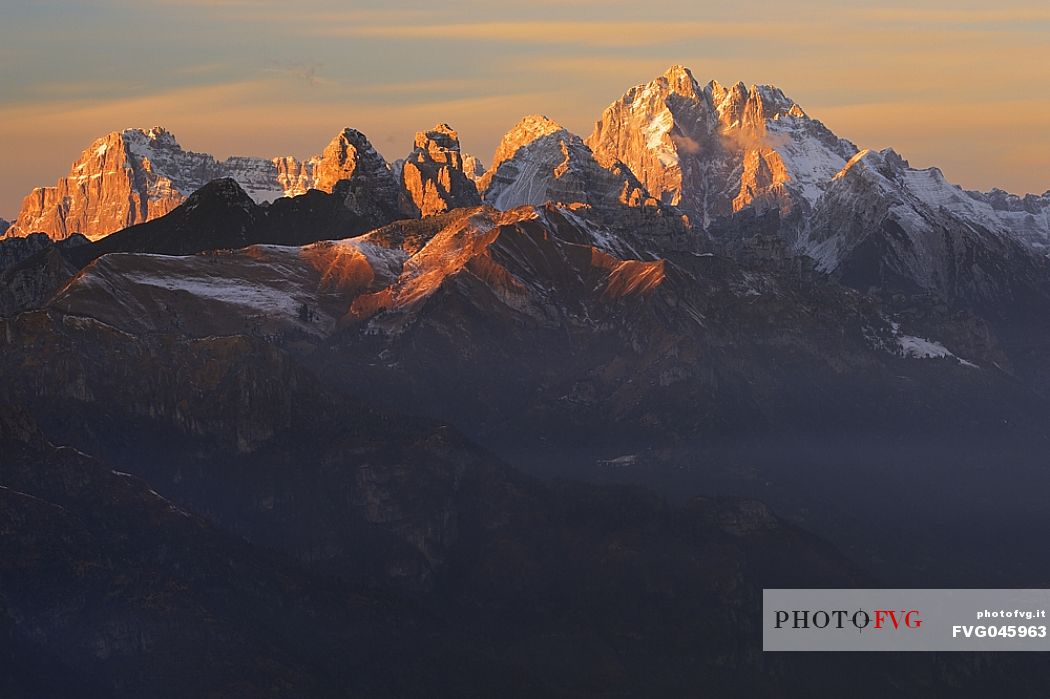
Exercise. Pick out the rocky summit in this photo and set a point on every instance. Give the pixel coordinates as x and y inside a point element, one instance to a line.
<point>129,177</point>
<point>539,161</point>
<point>433,174</point>
<point>138,175</point>
<point>714,150</point>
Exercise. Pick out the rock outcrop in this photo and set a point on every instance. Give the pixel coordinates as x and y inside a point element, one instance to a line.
<point>14,250</point>
<point>137,175</point>
<point>433,175</point>
<point>715,150</point>
<point>539,161</point>
<point>884,225</point>
<point>1027,218</point>
<point>473,167</point>
<point>294,176</point>
<point>351,167</point>
<point>32,268</point>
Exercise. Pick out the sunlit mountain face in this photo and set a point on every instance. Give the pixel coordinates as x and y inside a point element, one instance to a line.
<point>545,425</point>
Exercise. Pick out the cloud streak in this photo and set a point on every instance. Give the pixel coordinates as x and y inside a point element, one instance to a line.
<point>606,34</point>
<point>955,16</point>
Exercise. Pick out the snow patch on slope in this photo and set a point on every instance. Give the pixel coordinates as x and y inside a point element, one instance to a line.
<point>809,161</point>
<point>386,261</point>
<point>921,348</point>
<point>239,292</point>
<point>658,139</point>
<point>912,347</point>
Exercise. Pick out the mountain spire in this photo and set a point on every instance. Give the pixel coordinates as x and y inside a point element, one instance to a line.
<point>432,174</point>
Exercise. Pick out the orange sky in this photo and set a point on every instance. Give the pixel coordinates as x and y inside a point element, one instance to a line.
<point>958,85</point>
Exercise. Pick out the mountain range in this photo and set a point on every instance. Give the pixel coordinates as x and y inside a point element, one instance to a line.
<point>711,151</point>
<point>545,428</point>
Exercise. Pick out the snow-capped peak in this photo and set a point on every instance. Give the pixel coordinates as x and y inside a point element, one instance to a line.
<point>921,195</point>
<point>680,79</point>
<point>539,161</point>
<point>530,129</point>
<point>716,150</point>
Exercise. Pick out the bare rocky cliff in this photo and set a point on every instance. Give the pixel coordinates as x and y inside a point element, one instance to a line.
<point>133,176</point>
<point>137,175</point>
<point>713,150</point>
<point>540,161</point>
<point>433,174</point>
